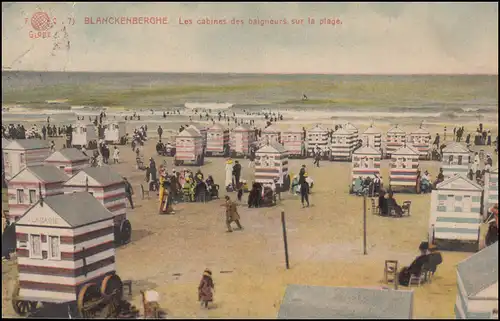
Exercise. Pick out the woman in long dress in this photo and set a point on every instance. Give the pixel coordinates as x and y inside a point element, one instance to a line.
<point>229,173</point>
<point>206,288</point>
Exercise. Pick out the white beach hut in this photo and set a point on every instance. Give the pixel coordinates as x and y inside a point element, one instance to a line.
<point>271,162</point>
<point>350,127</point>
<point>372,137</point>
<point>241,138</point>
<point>395,139</point>
<point>115,132</point>
<point>421,140</point>
<point>366,162</point>
<point>294,141</point>
<point>83,133</point>
<point>217,141</point>
<point>271,134</point>
<point>24,189</point>
<point>403,170</point>
<point>342,144</point>
<point>477,285</point>
<point>202,130</point>
<point>317,138</point>
<point>24,152</point>
<point>456,160</point>
<point>189,147</point>
<point>490,195</point>
<point>455,210</point>
<point>70,160</point>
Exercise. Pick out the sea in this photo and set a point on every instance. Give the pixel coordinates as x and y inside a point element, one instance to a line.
<point>390,98</point>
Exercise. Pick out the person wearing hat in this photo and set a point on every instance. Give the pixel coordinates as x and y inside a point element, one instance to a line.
<point>304,190</point>
<point>435,258</point>
<point>206,288</point>
<point>231,214</point>
<point>129,191</point>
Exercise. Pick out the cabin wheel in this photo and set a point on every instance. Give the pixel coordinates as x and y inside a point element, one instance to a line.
<point>112,285</point>
<point>125,231</point>
<point>22,307</point>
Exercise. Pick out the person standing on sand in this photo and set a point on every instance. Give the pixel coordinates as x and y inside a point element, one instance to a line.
<point>206,289</point>
<point>231,214</point>
<point>129,192</point>
<point>116,155</point>
<point>160,132</point>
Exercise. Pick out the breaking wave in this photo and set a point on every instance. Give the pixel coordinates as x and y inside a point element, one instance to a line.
<point>208,105</point>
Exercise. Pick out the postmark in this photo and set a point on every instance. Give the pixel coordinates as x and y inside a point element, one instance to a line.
<point>41,24</point>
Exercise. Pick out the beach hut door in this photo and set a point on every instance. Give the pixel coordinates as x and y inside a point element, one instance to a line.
<point>239,140</point>
<point>371,140</point>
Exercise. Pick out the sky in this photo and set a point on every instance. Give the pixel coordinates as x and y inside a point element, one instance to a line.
<point>374,38</point>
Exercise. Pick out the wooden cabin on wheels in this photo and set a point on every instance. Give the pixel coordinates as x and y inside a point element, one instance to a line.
<point>317,139</point>
<point>202,130</point>
<point>242,139</point>
<point>342,145</point>
<point>294,141</point>
<point>455,211</point>
<point>217,141</point>
<point>477,285</point>
<point>395,139</point>
<point>107,187</point>
<point>372,137</point>
<point>20,153</point>
<point>25,188</point>
<point>365,163</point>
<point>69,160</point>
<point>456,160</point>
<point>66,256</point>
<point>271,134</point>
<point>84,135</point>
<point>490,195</point>
<point>271,164</point>
<point>115,132</point>
<point>189,148</point>
<point>404,169</point>
<point>421,140</point>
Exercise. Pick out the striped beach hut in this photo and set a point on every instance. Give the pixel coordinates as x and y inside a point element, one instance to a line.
<point>395,139</point>
<point>477,285</point>
<point>271,134</point>
<point>455,210</point>
<point>217,141</point>
<point>241,138</point>
<point>490,195</point>
<point>271,162</point>
<point>456,159</point>
<point>372,137</point>
<point>317,138</point>
<point>202,130</point>
<point>63,243</point>
<point>20,153</point>
<point>294,141</point>
<point>342,144</point>
<point>421,139</point>
<point>83,133</point>
<point>325,302</point>
<point>70,160</point>
<point>24,189</point>
<point>403,170</point>
<point>115,132</point>
<point>366,162</point>
<point>351,128</point>
<point>189,147</point>
<point>108,187</point>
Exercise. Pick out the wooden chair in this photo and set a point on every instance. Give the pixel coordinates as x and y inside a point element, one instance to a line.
<point>390,271</point>
<point>420,278</point>
<point>375,208</point>
<point>151,308</point>
<point>406,207</point>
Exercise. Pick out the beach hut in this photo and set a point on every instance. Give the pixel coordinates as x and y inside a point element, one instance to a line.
<point>70,160</point>
<point>24,152</point>
<point>372,137</point>
<point>395,139</point>
<point>271,134</point>
<point>403,170</point>
<point>189,147</point>
<point>293,139</point>
<point>108,187</point>
<point>490,195</point>
<point>217,141</point>
<point>24,189</point>
<point>351,128</point>
<point>343,144</point>
<point>115,132</point>
<point>477,285</point>
<point>455,210</point>
<point>325,302</point>
<point>5,142</point>
<point>271,163</point>
<point>456,160</point>
<point>83,134</point>
<point>63,242</point>
<point>202,130</point>
<point>421,140</point>
<point>317,138</point>
<point>366,163</point>
<point>241,140</point>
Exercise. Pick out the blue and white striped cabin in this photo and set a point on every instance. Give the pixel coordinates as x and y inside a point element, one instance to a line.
<point>455,210</point>
<point>456,160</point>
<point>421,139</point>
<point>477,285</point>
<point>404,167</point>
<point>490,190</point>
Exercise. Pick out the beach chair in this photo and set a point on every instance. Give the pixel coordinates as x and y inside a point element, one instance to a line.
<point>390,271</point>
<point>421,277</point>
<point>406,207</point>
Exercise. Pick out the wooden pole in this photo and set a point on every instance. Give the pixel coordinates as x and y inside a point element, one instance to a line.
<point>364,224</point>
<point>285,241</point>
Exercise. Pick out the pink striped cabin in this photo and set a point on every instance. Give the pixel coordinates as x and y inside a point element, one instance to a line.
<point>189,147</point>
<point>365,162</point>
<point>20,153</point>
<point>404,168</point>
<point>241,138</point>
<point>70,160</point>
<point>217,141</point>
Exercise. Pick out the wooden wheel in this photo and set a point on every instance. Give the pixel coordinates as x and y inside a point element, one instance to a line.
<point>21,307</point>
<point>112,285</point>
<point>89,299</point>
<point>125,231</point>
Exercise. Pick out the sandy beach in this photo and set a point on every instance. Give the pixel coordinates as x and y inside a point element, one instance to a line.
<point>168,253</point>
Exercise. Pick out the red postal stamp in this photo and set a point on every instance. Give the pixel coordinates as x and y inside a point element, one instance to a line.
<point>41,22</point>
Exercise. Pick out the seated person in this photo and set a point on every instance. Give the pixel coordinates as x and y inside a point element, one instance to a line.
<point>415,268</point>
<point>425,183</point>
<point>188,189</point>
<point>392,204</point>
<point>357,186</point>
<point>254,197</point>
<point>440,177</point>
<point>199,176</point>
<point>435,258</point>
<point>160,149</point>
<point>295,186</point>
<point>382,203</point>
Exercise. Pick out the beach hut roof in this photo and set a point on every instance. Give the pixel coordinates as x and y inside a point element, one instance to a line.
<point>456,148</point>
<point>216,127</point>
<point>272,148</point>
<point>242,128</point>
<point>311,302</point>
<point>318,128</point>
<point>413,148</point>
<point>293,129</point>
<point>104,175</point>
<point>5,142</point>
<point>272,129</point>
<point>480,270</point>
<point>396,130</point>
<point>26,144</point>
<point>421,131</point>
<point>372,130</point>
<point>69,154</point>
<point>350,127</point>
<point>366,150</point>
<point>76,209</point>
<point>45,173</point>
<point>189,132</point>
<point>197,126</point>
<point>405,150</point>
<point>342,131</point>
<point>459,182</point>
